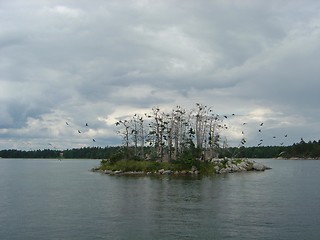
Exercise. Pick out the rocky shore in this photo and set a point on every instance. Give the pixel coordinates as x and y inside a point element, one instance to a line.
<point>221,166</point>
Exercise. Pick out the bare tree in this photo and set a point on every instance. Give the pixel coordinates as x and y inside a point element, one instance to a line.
<point>171,134</point>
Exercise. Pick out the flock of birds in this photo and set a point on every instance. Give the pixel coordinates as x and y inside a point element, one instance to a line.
<point>79,131</point>
<point>243,140</point>
<point>260,131</point>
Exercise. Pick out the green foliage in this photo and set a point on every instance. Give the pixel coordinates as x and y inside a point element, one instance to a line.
<point>187,160</point>
<point>207,168</point>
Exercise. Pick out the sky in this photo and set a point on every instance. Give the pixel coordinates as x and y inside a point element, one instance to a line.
<point>101,61</point>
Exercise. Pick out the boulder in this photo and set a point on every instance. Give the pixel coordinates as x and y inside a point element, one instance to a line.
<point>258,167</point>
<point>167,172</point>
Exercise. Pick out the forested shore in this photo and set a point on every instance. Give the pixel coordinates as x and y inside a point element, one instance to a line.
<point>304,150</point>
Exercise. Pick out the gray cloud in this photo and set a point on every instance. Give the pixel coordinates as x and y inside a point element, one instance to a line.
<point>100,61</point>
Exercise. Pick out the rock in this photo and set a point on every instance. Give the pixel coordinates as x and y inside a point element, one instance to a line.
<point>258,167</point>
<point>167,172</point>
<point>234,168</point>
<point>243,165</point>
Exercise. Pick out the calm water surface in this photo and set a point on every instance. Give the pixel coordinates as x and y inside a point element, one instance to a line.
<point>51,199</point>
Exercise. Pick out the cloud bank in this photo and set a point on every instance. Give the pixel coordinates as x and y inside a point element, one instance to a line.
<point>100,61</point>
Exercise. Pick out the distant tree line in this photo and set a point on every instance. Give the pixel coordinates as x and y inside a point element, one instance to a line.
<point>302,149</point>
<point>306,150</point>
<point>81,153</point>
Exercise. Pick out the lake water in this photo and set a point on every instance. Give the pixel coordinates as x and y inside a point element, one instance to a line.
<point>52,199</point>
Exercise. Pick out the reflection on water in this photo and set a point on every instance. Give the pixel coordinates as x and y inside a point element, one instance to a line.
<point>48,199</point>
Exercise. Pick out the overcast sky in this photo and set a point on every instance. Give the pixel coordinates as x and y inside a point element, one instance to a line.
<point>100,61</point>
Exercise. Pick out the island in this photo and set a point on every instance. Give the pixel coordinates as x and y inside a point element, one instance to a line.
<point>216,166</point>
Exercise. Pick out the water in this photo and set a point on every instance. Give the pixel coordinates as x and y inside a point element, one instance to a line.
<point>51,199</point>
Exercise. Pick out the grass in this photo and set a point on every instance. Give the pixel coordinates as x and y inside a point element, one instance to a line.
<point>144,166</point>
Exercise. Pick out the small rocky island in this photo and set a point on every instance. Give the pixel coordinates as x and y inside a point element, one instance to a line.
<point>180,142</point>
<point>215,166</point>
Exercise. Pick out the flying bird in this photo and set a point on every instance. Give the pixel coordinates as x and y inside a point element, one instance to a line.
<point>286,135</point>
<point>79,131</point>
<point>93,140</point>
<point>261,124</point>
<point>259,130</point>
<point>67,123</point>
<point>244,123</point>
<point>87,125</point>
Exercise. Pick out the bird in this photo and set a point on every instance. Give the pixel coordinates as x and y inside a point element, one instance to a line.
<point>259,130</point>
<point>67,123</point>
<point>261,124</point>
<point>79,131</point>
<point>286,135</point>
<point>93,140</point>
<point>244,123</point>
<point>87,125</point>
<point>225,116</point>
<point>274,136</point>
